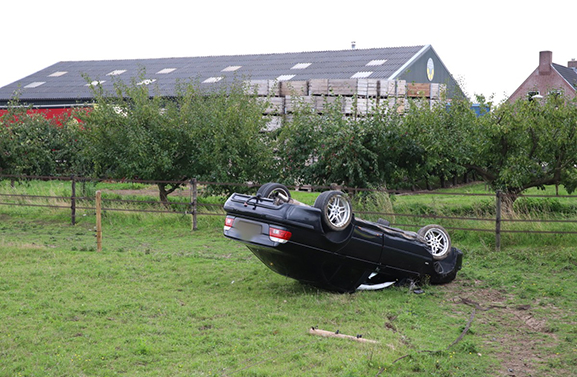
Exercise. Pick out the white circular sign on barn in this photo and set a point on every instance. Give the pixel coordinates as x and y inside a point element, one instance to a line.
<point>430,69</point>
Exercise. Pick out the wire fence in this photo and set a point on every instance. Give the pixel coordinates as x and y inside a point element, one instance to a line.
<point>187,203</point>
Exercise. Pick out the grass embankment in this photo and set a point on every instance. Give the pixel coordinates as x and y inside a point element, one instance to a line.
<point>162,300</point>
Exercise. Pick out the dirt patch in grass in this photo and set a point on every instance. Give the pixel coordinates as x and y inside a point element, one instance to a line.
<point>519,341</point>
<point>510,329</point>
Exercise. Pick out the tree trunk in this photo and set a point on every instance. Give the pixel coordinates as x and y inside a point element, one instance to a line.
<point>428,184</point>
<point>508,201</point>
<point>163,194</point>
<point>165,189</point>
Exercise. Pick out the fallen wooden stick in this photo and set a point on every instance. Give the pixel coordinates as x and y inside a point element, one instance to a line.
<point>331,334</point>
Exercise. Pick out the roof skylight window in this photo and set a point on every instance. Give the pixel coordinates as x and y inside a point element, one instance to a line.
<point>165,71</point>
<point>146,82</point>
<point>212,80</point>
<point>232,68</point>
<point>96,82</point>
<point>58,74</point>
<point>116,72</point>
<point>285,77</point>
<point>35,84</point>
<point>376,62</point>
<point>301,65</point>
<point>361,75</point>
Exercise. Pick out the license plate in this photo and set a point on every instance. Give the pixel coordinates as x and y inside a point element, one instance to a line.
<point>248,230</point>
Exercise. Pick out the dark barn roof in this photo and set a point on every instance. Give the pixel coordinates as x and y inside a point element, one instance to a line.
<point>65,83</point>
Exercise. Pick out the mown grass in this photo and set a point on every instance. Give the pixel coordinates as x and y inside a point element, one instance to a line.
<point>162,300</point>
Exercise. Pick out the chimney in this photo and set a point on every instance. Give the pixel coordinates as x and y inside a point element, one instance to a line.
<point>545,61</point>
<point>572,63</point>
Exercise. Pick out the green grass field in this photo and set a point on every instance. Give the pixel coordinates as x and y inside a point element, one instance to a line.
<point>161,300</point>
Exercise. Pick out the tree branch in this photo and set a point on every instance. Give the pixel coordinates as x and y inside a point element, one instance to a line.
<point>484,173</point>
<point>535,142</point>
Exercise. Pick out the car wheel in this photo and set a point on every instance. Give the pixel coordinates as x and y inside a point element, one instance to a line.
<point>276,191</point>
<point>336,209</point>
<point>438,240</point>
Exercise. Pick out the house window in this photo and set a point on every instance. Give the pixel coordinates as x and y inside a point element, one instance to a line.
<point>534,94</point>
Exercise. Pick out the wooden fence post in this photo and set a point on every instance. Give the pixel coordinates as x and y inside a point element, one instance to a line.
<point>498,221</point>
<point>73,199</point>
<point>98,221</point>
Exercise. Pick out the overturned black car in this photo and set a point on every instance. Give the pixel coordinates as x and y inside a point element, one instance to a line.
<point>327,246</point>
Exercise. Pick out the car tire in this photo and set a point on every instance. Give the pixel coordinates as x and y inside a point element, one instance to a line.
<point>276,191</point>
<point>438,240</point>
<point>336,211</point>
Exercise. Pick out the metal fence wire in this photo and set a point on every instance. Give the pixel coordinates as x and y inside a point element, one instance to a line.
<point>192,207</point>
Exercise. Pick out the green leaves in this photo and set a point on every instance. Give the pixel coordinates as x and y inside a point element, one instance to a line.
<point>33,145</point>
<point>212,136</point>
<point>515,147</point>
<point>330,147</point>
<point>135,132</point>
<point>529,144</point>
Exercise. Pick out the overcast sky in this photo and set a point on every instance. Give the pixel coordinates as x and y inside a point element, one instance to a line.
<point>490,46</point>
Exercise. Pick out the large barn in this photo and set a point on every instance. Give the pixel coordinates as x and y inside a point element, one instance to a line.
<point>370,75</point>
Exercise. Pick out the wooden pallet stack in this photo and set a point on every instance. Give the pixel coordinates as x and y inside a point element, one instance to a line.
<point>356,97</point>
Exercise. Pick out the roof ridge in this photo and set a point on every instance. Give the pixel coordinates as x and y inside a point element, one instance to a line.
<point>250,54</point>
